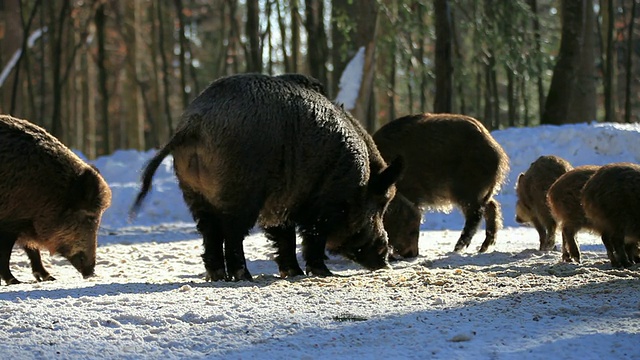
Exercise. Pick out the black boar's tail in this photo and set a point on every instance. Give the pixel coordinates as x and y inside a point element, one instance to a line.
<point>149,171</point>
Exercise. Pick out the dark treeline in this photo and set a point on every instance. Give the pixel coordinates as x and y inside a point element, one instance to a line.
<point>103,75</point>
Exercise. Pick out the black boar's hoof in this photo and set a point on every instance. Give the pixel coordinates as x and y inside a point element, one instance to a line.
<point>318,270</point>
<point>13,281</point>
<point>460,245</point>
<point>216,275</point>
<point>241,274</point>
<point>291,272</point>
<point>43,277</point>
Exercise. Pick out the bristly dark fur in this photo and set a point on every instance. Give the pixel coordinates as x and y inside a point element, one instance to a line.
<point>274,149</point>
<point>531,188</point>
<point>565,203</point>
<point>50,198</point>
<point>451,160</point>
<point>611,202</point>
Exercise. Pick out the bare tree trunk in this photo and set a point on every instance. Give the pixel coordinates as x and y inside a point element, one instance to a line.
<point>181,41</point>
<point>165,67</point>
<point>102,80</point>
<point>533,4</point>
<point>295,35</point>
<point>571,75</point>
<point>443,62</point>
<point>629,65</point>
<point>608,37</point>
<point>367,25</point>
<point>341,37</point>
<point>317,53</point>
<point>56,59</point>
<point>252,31</point>
<point>26,28</point>
<point>283,36</point>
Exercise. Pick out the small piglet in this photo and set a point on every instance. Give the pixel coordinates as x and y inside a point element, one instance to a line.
<point>531,189</point>
<point>49,199</point>
<point>611,201</point>
<point>450,160</point>
<point>564,198</point>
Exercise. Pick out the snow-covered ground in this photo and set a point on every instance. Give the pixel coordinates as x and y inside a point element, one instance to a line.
<point>150,299</point>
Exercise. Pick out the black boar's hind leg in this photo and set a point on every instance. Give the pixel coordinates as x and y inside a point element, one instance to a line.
<point>284,239</point>
<point>313,252</point>
<point>472,215</point>
<point>6,246</point>
<point>39,272</point>
<point>492,218</point>
<point>235,229</point>
<point>212,240</point>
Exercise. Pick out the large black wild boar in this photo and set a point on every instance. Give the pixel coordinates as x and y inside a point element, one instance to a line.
<point>49,199</point>
<point>449,160</point>
<point>564,199</point>
<point>611,201</point>
<point>531,189</point>
<point>253,148</point>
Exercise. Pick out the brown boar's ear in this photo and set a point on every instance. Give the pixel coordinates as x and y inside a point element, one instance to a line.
<point>84,190</point>
<point>380,183</point>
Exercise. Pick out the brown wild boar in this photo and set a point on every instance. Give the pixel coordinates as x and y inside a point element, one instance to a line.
<point>50,198</point>
<point>564,199</point>
<point>259,148</point>
<point>531,189</point>
<point>611,201</point>
<point>450,160</point>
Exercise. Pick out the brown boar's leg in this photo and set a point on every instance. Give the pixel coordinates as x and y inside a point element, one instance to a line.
<point>313,252</point>
<point>492,219</point>
<point>550,240</point>
<point>633,252</point>
<point>542,233</point>
<point>284,239</point>
<point>39,272</point>
<point>606,240</point>
<point>6,246</point>
<point>620,251</point>
<point>570,248</point>
<point>472,216</point>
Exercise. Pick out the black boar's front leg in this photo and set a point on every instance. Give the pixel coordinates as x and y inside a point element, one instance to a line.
<point>6,246</point>
<point>39,272</point>
<point>284,239</point>
<point>313,252</point>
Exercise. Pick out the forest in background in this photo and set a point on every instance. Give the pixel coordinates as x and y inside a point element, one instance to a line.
<point>103,75</point>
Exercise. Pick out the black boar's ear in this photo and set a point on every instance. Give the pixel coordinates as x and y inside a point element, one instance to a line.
<point>83,190</point>
<point>380,183</point>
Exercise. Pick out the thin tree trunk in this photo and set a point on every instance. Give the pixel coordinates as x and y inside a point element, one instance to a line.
<point>295,35</point>
<point>629,65</point>
<point>181,58</point>
<point>56,59</point>
<point>252,31</point>
<point>165,68</point>
<point>533,4</point>
<point>443,62</point>
<point>317,54</point>
<point>283,36</point>
<point>102,80</point>
<point>609,107</point>
<point>26,28</point>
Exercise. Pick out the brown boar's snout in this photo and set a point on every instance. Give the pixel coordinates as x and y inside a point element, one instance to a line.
<point>83,264</point>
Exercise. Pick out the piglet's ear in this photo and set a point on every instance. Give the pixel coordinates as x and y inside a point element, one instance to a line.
<point>380,183</point>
